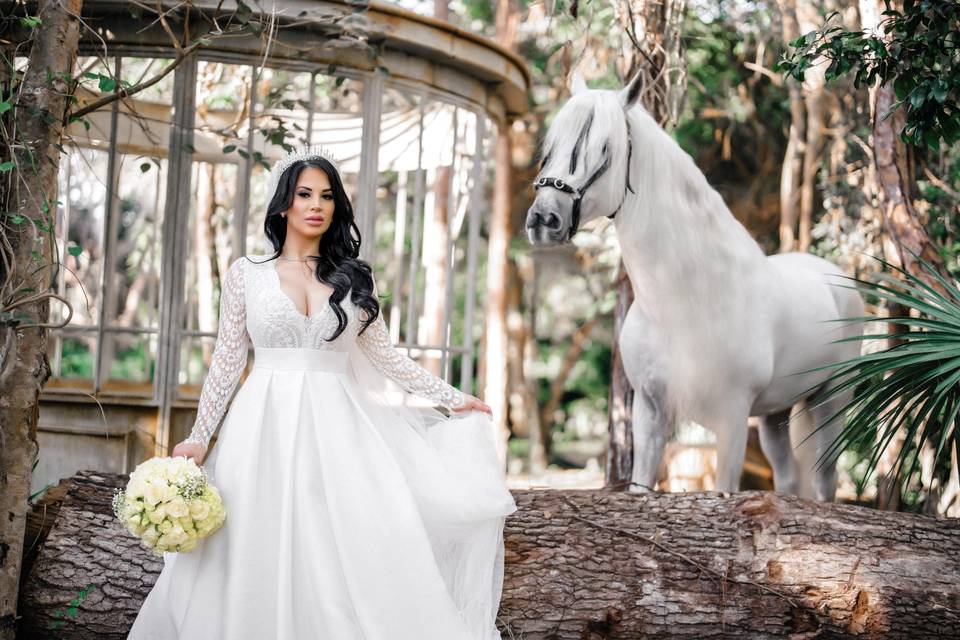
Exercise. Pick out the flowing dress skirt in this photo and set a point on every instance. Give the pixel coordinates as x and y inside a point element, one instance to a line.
<point>342,520</point>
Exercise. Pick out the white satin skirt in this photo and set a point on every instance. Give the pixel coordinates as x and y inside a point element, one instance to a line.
<point>343,521</point>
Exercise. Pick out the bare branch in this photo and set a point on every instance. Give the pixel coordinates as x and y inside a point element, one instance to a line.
<point>125,92</point>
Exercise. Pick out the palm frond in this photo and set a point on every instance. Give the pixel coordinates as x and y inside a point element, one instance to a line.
<point>911,389</point>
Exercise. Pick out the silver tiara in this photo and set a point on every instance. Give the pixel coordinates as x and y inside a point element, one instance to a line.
<point>302,153</point>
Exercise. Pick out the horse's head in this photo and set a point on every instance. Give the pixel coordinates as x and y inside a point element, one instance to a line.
<point>584,173</point>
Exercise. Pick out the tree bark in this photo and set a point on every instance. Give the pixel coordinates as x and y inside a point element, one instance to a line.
<point>500,231</point>
<point>559,383</point>
<point>40,110</point>
<point>791,173</point>
<point>600,564</point>
<point>495,385</point>
<point>619,468</point>
<point>436,237</point>
<point>808,19</point>
<point>900,219</point>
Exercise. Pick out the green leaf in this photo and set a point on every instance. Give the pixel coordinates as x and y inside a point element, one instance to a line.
<point>6,166</point>
<point>74,250</point>
<point>107,84</point>
<point>5,106</point>
<point>940,92</point>
<point>917,98</point>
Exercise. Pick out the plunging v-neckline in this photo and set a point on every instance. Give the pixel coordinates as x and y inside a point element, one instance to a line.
<point>323,308</point>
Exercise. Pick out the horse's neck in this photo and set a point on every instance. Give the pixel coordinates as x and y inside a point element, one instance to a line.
<point>677,231</point>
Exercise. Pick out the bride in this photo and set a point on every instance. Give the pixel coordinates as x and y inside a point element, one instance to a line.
<point>353,510</point>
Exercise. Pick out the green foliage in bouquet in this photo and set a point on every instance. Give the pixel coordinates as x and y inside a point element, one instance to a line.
<point>913,387</point>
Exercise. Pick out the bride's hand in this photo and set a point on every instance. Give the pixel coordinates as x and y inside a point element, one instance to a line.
<point>190,450</point>
<point>473,404</point>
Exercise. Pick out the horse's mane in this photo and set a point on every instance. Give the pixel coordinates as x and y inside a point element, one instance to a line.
<point>688,252</point>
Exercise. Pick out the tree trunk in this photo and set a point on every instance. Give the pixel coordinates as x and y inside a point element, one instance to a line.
<point>495,385</point>
<point>900,219</point>
<point>500,231</point>
<point>39,113</point>
<point>436,237</point>
<point>655,28</point>
<point>808,19</point>
<point>619,467</point>
<point>790,175</point>
<point>570,358</point>
<point>600,565</point>
<point>908,239</point>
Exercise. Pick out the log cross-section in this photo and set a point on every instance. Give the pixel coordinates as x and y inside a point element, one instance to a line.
<point>591,565</point>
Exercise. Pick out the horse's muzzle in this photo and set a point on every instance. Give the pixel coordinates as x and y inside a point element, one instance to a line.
<point>545,227</point>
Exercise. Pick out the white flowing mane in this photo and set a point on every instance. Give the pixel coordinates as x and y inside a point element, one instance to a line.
<point>685,225</point>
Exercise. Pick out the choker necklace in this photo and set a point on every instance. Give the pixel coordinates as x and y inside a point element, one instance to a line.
<point>294,259</point>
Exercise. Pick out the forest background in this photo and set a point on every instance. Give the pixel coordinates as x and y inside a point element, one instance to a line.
<point>793,161</point>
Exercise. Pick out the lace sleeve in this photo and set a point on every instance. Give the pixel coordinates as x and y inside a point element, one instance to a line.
<point>375,343</point>
<point>229,357</point>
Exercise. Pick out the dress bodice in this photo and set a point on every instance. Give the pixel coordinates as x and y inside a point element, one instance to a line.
<point>274,321</point>
<point>255,310</point>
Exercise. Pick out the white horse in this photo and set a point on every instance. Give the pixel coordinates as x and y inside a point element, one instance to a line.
<point>718,331</point>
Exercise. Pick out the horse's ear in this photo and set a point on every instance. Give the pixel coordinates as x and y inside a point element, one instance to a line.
<point>577,83</point>
<point>630,93</point>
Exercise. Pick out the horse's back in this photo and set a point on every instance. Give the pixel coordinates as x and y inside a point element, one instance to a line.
<point>814,273</point>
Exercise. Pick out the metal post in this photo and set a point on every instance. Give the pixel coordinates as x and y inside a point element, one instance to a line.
<point>110,212</point>
<point>311,107</point>
<point>417,217</point>
<point>473,238</point>
<point>366,198</point>
<point>242,206</point>
<point>449,258</point>
<point>175,219</point>
<point>399,234</point>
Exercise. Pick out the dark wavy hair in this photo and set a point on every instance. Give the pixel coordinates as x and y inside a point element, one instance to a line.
<point>338,264</point>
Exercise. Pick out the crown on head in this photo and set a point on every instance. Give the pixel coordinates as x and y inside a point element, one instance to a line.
<point>301,153</point>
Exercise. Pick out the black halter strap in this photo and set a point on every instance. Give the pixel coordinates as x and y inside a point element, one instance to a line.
<point>566,187</point>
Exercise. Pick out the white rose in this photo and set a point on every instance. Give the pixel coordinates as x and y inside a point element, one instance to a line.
<point>199,509</point>
<point>177,507</point>
<point>156,491</point>
<point>158,514</point>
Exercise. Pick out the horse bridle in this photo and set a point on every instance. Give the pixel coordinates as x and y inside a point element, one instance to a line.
<point>560,185</point>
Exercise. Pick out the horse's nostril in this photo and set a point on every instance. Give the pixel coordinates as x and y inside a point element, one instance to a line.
<point>552,221</point>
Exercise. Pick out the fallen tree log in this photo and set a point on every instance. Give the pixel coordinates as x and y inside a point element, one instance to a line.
<point>599,565</point>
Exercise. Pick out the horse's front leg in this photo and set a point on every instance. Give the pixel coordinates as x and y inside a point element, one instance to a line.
<point>645,368</point>
<point>651,430</point>
<point>730,426</point>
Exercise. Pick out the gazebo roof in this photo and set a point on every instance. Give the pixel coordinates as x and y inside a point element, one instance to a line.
<point>414,48</point>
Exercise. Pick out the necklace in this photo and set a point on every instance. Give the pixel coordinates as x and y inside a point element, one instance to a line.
<point>294,259</point>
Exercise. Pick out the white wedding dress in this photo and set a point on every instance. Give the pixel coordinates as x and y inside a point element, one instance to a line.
<point>352,513</point>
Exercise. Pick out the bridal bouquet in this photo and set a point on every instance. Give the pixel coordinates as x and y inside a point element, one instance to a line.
<point>169,505</point>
